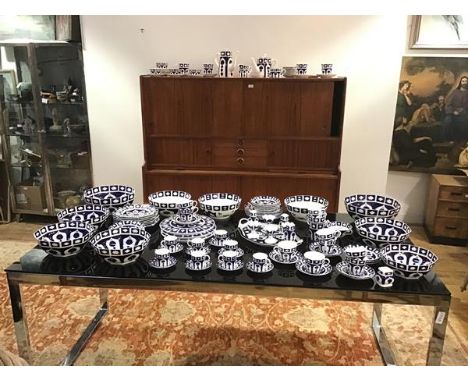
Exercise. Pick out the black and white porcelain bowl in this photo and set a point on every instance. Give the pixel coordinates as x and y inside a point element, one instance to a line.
<point>168,202</point>
<point>220,205</point>
<point>371,205</point>
<point>300,205</point>
<point>65,238</point>
<point>88,213</point>
<point>408,261</point>
<point>112,196</point>
<point>122,245</point>
<point>381,231</point>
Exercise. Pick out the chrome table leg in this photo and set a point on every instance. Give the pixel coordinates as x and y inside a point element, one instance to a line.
<point>19,319</point>
<point>436,343</point>
<point>382,340</point>
<point>71,357</point>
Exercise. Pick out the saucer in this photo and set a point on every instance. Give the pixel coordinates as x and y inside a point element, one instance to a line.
<point>251,268</point>
<point>373,255</point>
<point>275,255</point>
<point>179,247</point>
<point>301,267</point>
<point>240,251</point>
<point>205,248</point>
<point>172,261</point>
<point>334,250</point>
<point>191,266</point>
<point>367,272</point>
<point>237,265</point>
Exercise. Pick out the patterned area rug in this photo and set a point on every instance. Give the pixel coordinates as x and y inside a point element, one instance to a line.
<point>173,328</point>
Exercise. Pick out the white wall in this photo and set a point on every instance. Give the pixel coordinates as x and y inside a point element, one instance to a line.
<point>360,47</point>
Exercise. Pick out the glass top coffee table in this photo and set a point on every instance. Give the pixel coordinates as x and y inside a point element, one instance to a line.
<point>89,270</point>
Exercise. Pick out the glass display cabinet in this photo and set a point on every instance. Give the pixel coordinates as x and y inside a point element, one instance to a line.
<point>44,126</point>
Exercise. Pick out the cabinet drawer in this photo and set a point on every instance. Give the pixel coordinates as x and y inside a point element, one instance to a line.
<point>452,209</point>
<point>240,153</point>
<point>453,193</point>
<point>450,227</point>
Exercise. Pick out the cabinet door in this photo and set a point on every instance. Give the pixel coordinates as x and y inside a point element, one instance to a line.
<point>158,105</point>
<point>227,108</point>
<point>179,152</point>
<point>253,108</point>
<point>194,107</point>
<point>316,108</point>
<point>281,100</point>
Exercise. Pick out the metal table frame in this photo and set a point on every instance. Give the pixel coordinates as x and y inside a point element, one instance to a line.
<point>441,304</point>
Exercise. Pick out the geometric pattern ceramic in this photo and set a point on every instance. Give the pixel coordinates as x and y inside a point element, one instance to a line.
<point>170,199</point>
<point>329,250</point>
<point>203,227</point>
<point>239,251</point>
<point>369,205</point>
<point>281,258</point>
<point>382,230</point>
<point>88,213</point>
<point>299,205</point>
<point>127,223</point>
<point>408,261</point>
<point>64,239</point>
<point>259,268</point>
<point>366,272</point>
<point>373,255</point>
<point>110,195</point>
<point>256,236</point>
<point>303,267</point>
<point>221,205</point>
<point>121,246</point>
<point>344,228</point>
<point>145,214</point>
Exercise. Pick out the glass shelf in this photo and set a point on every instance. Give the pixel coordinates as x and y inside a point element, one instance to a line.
<point>25,165</point>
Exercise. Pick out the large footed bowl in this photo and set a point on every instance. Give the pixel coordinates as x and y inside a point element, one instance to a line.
<point>65,238</point>
<point>382,231</point>
<point>371,205</point>
<point>220,205</point>
<point>300,205</point>
<point>168,202</point>
<point>122,245</point>
<point>113,196</point>
<point>88,213</point>
<point>408,261</point>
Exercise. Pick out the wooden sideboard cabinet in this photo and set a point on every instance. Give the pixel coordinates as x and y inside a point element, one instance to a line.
<point>446,219</point>
<point>249,136</point>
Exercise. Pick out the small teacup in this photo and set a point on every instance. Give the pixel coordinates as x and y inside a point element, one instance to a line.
<point>169,242</point>
<point>260,262</point>
<point>326,235</point>
<point>301,69</point>
<point>199,259</point>
<point>244,71</point>
<point>183,68</point>
<point>228,259</point>
<point>327,68</point>
<point>355,250</point>
<point>219,236</point>
<point>384,277</point>
<point>275,73</point>
<point>284,218</point>
<point>161,257</point>
<point>286,249</point>
<point>230,245</point>
<point>207,68</point>
<point>186,214</point>
<point>173,72</point>
<point>355,264</point>
<point>161,65</point>
<point>315,261</point>
<point>194,72</point>
<point>197,243</point>
<point>268,218</point>
<point>289,71</point>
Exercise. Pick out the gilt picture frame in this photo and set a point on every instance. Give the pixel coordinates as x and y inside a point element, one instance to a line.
<point>439,32</point>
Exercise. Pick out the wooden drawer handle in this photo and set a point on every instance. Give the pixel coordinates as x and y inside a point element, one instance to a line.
<point>454,209</point>
<point>450,227</point>
<point>240,151</point>
<point>240,161</point>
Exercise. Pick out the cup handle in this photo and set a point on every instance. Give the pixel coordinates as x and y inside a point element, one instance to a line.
<point>391,280</point>
<point>194,210</point>
<point>194,203</point>
<point>206,257</point>
<point>243,221</point>
<point>326,261</point>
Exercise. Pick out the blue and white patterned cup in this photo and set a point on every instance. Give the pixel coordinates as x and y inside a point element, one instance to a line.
<point>183,68</point>
<point>275,73</point>
<point>161,257</point>
<point>301,69</point>
<point>244,70</point>
<point>384,277</point>
<point>161,65</point>
<point>207,68</point>
<point>327,68</point>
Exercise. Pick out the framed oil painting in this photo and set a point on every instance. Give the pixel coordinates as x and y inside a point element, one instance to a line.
<point>430,130</point>
<point>439,32</point>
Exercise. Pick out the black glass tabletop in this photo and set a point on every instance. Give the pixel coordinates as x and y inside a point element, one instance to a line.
<point>89,264</point>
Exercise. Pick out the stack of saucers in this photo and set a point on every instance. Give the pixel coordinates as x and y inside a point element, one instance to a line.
<point>145,214</point>
<point>264,205</point>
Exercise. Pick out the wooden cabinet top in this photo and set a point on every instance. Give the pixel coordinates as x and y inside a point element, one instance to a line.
<point>201,78</point>
<point>451,180</point>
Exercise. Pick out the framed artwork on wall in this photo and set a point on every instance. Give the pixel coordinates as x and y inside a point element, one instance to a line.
<point>430,130</point>
<point>439,32</point>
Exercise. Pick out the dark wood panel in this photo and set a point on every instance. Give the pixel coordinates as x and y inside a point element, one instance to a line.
<point>227,108</point>
<point>253,109</point>
<point>179,152</point>
<point>316,108</point>
<point>307,155</point>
